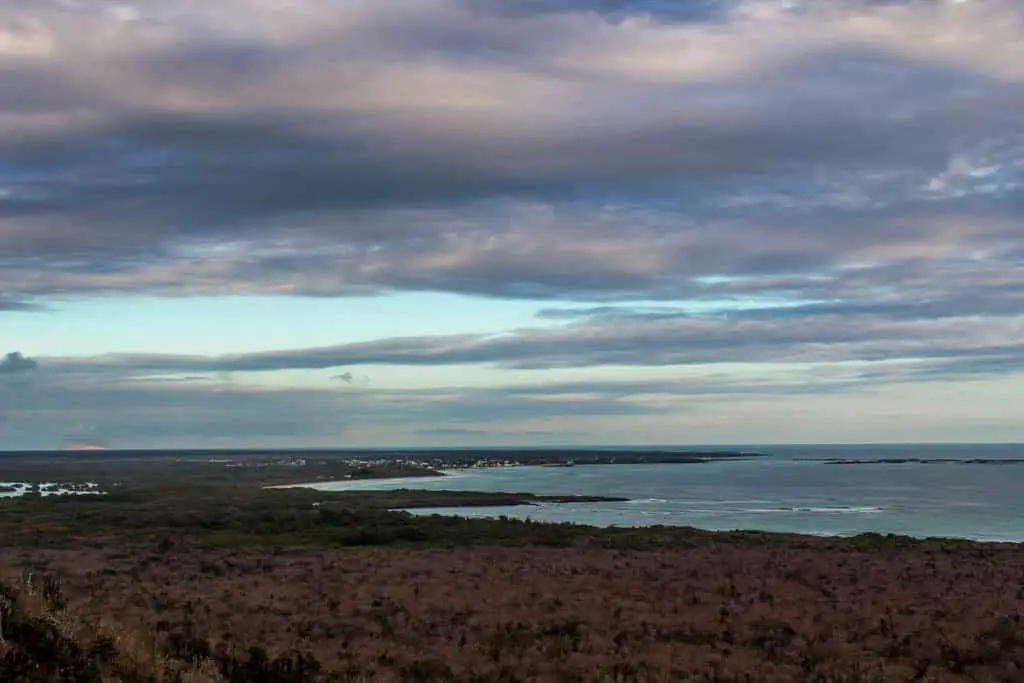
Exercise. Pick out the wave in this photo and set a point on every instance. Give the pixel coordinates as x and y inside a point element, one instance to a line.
<point>700,501</point>
<point>914,461</point>
<point>823,510</point>
<point>742,507</point>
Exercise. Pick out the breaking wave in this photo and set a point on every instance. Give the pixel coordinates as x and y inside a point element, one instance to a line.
<point>824,510</point>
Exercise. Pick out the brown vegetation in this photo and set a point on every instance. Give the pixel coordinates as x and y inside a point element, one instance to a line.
<point>192,572</point>
<point>775,611</point>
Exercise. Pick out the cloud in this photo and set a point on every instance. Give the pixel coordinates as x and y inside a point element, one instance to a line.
<point>474,434</point>
<point>452,431</point>
<point>85,445</point>
<point>17,305</point>
<point>708,405</point>
<point>834,187</point>
<point>944,369</point>
<point>15,363</point>
<point>561,149</point>
<point>858,332</point>
<point>135,414</point>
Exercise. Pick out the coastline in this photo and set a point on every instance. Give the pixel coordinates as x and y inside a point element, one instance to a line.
<point>587,497</point>
<point>289,568</point>
<point>460,511</point>
<point>820,519</point>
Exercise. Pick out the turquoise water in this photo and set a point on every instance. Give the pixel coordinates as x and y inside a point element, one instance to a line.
<point>782,492</point>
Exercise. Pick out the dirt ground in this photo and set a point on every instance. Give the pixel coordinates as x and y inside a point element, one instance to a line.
<point>717,613</point>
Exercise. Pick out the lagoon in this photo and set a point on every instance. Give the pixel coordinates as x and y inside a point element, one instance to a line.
<point>961,491</point>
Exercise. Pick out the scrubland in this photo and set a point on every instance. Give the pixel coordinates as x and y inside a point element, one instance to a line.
<point>232,583</point>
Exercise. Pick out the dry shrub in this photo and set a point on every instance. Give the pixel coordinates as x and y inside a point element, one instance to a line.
<point>761,612</point>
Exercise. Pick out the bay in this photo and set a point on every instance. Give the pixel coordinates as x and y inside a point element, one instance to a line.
<point>793,489</point>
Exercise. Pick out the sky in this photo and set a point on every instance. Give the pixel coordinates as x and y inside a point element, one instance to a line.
<point>355,223</point>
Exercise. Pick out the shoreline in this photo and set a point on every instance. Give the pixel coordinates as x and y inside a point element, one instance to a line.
<point>507,499</point>
<point>274,500</point>
<point>461,505</point>
<point>453,511</point>
<point>356,482</point>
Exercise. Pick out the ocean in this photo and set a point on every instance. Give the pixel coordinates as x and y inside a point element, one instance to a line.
<point>974,491</point>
